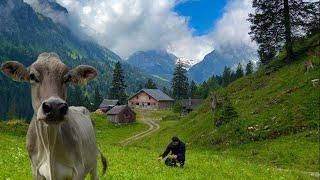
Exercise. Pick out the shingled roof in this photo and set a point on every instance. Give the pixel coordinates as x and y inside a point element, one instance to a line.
<point>108,102</point>
<point>157,94</point>
<point>116,110</point>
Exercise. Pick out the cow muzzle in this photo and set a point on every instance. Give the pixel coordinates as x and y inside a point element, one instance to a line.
<point>52,110</point>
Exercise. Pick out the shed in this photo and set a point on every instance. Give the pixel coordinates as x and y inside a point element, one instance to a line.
<point>150,99</point>
<point>189,105</point>
<point>121,114</point>
<point>108,104</point>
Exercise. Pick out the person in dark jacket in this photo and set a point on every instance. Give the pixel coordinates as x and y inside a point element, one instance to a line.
<point>177,149</point>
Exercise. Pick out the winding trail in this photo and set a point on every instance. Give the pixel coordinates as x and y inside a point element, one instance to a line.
<point>153,126</point>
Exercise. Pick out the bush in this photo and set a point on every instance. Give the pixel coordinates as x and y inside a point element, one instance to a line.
<point>14,127</point>
<point>16,123</point>
<point>226,114</point>
<point>177,108</point>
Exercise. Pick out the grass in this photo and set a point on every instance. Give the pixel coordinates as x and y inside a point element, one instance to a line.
<point>281,108</point>
<point>138,161</point>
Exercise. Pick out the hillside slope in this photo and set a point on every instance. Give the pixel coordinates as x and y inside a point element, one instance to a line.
<point>271,116</point>
<point>25,33</point>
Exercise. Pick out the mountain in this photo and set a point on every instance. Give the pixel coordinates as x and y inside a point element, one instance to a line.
<point>51,9</point>
<point>155,62</point>
<point>25,33</point>
<point>214,62</point>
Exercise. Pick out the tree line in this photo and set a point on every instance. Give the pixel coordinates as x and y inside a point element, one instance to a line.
<point>279,23</point>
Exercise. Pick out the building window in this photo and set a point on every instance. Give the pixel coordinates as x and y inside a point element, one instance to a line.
<point>137,104</point>
<point>149,97</point>
<point>137,97</point>
<point>148,104</point>
<point>132,103</point>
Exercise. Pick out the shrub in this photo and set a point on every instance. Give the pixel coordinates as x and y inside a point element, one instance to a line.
<point>226,114</point>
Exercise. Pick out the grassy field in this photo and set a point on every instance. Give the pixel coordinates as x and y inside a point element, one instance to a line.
<point>138,161</point>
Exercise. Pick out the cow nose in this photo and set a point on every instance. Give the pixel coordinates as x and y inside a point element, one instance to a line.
<point>47,108</point>
<point>63,108</point>
<point>53,107</point>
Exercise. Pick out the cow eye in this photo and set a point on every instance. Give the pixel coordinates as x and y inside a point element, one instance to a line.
<point>32,77</point>
<point>67,78</point>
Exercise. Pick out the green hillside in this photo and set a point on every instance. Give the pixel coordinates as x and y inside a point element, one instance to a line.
<point>269,117</point>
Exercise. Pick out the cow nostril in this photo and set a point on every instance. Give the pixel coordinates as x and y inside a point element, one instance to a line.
<point>63,108</point>
<point>46,108</point>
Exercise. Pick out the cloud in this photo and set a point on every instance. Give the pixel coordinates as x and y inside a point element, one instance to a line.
<point>127,26</point>
<point>233,27</point>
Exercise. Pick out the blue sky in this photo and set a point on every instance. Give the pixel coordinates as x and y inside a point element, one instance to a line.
<point>203,13</point>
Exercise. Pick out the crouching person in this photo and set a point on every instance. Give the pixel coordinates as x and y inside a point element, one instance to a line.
<point>178,150</point>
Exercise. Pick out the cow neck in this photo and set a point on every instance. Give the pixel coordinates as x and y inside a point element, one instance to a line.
<point>48,135</point>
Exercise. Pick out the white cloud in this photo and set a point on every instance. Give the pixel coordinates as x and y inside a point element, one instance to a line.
<point>233,27</point>
<point>126,26</point>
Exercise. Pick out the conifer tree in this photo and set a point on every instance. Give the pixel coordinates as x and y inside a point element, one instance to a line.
<point>192,89</point>
<point>12,112</point>
<point>249,68</point>
<point>180,82</point>
<point>97,98</point>
<point>278,22</point>
<point>239,71</point>
<point>150,84</point>
<point>117,90</point>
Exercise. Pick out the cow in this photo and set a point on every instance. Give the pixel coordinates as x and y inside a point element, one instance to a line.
<point>61,140</point>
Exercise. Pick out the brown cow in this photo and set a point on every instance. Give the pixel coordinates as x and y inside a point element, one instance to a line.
<point>61,140</point>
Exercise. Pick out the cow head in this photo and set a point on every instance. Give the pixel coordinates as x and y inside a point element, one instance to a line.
<point>49,79</point>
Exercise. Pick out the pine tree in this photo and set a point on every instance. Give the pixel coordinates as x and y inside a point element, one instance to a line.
<point>192,89</point>
<point>97,98</point>
<point>117,90</point>
<point>226,76</point>
<point>278,22</point>
<point>78,97</point>
<point>239,71</point>
<point>150,84</point>
<point>180,82</point>
<point>12,112</point>
<point>87,103</point>
<point>249,68</point>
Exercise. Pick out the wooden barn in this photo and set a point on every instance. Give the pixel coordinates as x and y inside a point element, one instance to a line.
<point>189,105</point>
<point>108,104</point>
<point>150,99</point>
<point>121,114</point>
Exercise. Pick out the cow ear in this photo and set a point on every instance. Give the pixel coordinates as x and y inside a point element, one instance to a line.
<point>81,74</point>
<point>15,71</point>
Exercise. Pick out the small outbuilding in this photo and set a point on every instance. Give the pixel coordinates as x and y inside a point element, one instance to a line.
<point>189,105</point>
<point>108,104</point>
<point>150,99</point>
<point>121,114</point>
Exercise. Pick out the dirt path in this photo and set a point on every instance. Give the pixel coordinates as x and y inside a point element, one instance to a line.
<point>153,126</point>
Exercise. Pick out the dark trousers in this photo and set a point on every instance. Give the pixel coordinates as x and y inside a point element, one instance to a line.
<point>173,162</point>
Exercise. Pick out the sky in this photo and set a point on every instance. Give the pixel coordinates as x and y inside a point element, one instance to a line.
<point>187,28</point>
<point>203,14</point>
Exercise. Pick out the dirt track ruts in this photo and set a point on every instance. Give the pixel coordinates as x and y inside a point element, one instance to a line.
<point>153,126</point>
